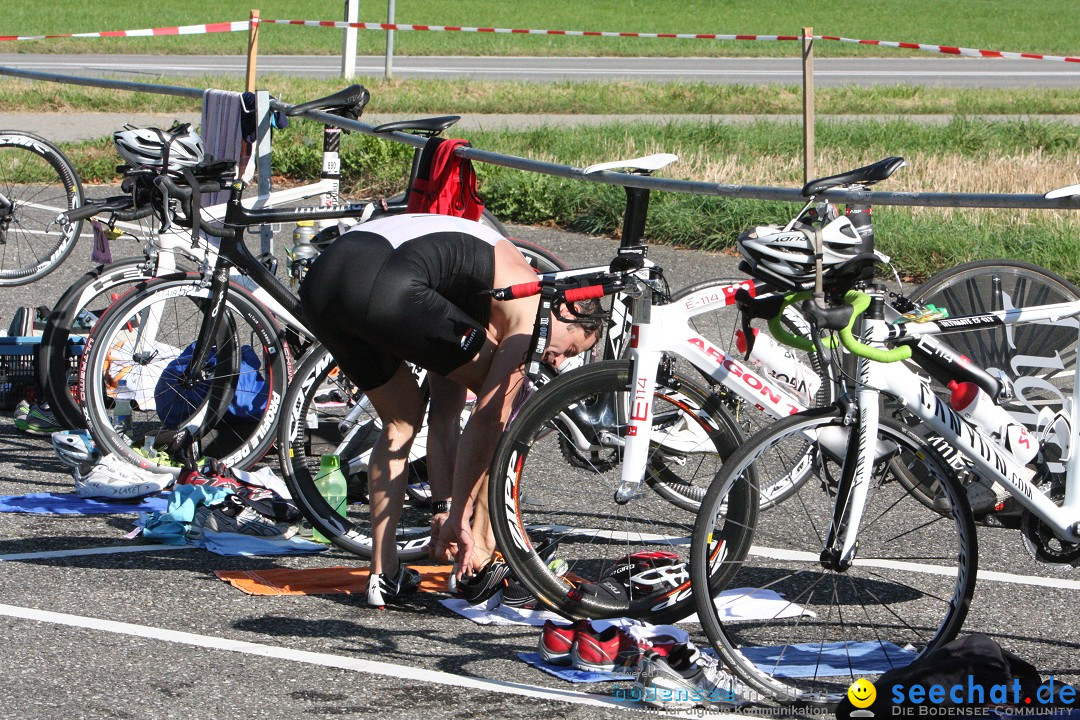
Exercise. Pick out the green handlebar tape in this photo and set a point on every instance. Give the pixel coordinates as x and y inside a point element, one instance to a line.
<point>859,302</point>
<point>783,336</point>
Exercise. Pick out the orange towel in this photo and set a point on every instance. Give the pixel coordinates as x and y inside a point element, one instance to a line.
<point>322,581</point>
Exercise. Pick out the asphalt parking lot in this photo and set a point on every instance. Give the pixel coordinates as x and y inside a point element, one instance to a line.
<point>96,625</point>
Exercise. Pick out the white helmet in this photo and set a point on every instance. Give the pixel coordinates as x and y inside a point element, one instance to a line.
<point>149,147</point>
<point>75,448</point>
<point>790,253</point>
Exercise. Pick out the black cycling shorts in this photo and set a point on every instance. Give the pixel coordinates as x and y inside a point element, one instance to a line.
<point>375,302</point>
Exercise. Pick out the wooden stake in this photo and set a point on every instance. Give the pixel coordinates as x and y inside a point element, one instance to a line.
<point>253,49</point>
<point>808,103</point>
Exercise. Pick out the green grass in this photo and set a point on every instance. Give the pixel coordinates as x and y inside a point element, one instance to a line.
<point>964,156</point>
<point>1021,25</point>
<point>479,97</point>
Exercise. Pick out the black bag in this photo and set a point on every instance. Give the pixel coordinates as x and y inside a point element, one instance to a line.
<point>974,670</point>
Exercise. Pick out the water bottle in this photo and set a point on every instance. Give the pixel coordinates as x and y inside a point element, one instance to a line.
<point>303,251</point>
<point>331,484</point>
<point>781,363</point>
<point>976,406</point>
<point>122,408</point>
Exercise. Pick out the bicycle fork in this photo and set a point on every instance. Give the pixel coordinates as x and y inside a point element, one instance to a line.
<point>644,365</point>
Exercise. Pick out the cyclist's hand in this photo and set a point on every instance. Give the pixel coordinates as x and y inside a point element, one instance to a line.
<point>455,533</point>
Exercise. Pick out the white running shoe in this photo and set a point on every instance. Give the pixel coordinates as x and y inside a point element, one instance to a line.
<point>114,479</point>
<point>687,678</point>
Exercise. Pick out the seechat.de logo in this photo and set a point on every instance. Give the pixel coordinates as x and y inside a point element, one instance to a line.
<point>862,694</point>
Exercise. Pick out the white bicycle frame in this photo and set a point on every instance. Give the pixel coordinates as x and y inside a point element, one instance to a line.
<point>659,329</point>
<point>914,393</point>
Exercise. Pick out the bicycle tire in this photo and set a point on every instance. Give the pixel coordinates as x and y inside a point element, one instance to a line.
<point>324,413</point>
<point>719,325</point>
<point>39,182</point>
<point>143,335</point>
<point>538,504</point>
<point>890,598</point>
<point>92,292</point>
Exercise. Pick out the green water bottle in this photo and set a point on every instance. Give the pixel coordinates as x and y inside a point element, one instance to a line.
<point>331,484</point>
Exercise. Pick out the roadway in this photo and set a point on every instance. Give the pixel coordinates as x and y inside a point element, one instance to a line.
<point>144,631</point>
<point>951,72</point>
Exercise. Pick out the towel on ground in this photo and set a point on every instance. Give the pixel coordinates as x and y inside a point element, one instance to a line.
<point>72,504</point>
<point>322,581</point>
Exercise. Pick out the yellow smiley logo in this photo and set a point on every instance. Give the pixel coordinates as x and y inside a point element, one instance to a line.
<point>862,693</point>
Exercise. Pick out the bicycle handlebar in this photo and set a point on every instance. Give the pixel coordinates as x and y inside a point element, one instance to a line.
<point>859,302</point>
<point>571,290</point>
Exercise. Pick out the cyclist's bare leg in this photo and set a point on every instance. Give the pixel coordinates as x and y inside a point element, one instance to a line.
<point>400,405</point>
<point>444,430</point>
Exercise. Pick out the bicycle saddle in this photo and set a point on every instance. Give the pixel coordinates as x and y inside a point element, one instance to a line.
<point>423,126</point>
<point>349,102</point>
<point>862,176</point>
<point>1063,192</point>
<point>646,164</point>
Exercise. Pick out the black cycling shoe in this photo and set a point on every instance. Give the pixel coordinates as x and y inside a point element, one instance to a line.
<point>380,586</point>
<point>485,583</point>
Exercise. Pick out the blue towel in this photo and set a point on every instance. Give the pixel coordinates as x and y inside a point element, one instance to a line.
<point>813,659</point>
<point>171,526</point>
<point>239,544</point>
<point>72,504</point>
<point>569,674</point>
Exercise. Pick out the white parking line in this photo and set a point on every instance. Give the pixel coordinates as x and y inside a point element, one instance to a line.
<point>403,672</point>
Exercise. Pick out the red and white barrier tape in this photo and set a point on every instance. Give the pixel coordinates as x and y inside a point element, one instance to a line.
<point>946,49</point>
<point>244,24</point>
<point>517,31</point>
<point>950,50</point>
<point>240,26</point>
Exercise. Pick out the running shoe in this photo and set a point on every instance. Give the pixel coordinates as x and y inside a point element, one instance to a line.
<point>595,651</point>
<point>22,410</point>
<point>115,479</point>
<point>516,595</point>
<point>686,678</point>
<point>233,516</point>
<point>38,419</point>
<point>380,587</point>
<point>557,641</point>
<point>485,583</point>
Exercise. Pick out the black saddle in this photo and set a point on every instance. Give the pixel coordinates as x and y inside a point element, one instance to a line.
<point>423,126</point>
<point>348,103</point>
<point>862,176</point>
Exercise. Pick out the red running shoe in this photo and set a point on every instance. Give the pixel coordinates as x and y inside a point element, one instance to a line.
<point>595,652</point>
<point>557,641</point>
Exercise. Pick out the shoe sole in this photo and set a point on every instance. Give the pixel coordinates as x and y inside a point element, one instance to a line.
<point>553,657</point>
<point>578,664</point>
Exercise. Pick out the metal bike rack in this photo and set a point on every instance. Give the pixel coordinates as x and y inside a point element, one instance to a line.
<point>751,192</point>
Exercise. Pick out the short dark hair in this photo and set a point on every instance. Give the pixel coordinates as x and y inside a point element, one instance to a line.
<point>589,314</point>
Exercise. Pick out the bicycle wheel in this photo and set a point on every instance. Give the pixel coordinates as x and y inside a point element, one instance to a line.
<point>37,183</point>
<point>797,629</point>
<point>551,515</point>
<point>812,385</point>
<point>146,339</point>
<point>74,315</point>
<point>325,414</point>
<point>1038,358</point>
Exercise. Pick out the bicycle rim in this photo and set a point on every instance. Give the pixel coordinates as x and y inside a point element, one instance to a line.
<point>327,415</point>
<point>800,631</point>
<point>146,339</point>
<point>557,522</point>
<point>37,183</point>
